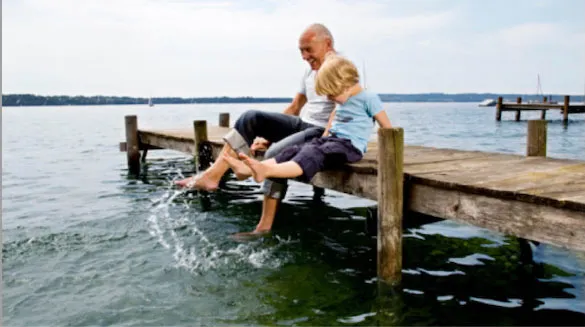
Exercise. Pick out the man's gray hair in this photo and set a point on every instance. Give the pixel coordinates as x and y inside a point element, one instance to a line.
<point>321,32</point>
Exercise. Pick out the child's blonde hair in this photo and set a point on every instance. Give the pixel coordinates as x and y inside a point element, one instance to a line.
<point>335,76</point>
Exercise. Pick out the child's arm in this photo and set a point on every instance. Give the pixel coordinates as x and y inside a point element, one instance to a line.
<point>329,123</point>
<point>382,119</point>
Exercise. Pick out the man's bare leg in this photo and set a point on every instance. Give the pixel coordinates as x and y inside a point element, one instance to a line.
<point>209,179</point>
<point>269,207</point>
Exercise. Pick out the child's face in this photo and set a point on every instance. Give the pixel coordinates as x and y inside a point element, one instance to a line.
<point>338,99</point>
<point>341,98</point>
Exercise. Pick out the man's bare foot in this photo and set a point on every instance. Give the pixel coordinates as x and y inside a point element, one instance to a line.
<point>238,167</point>
<point>258,169</point>
<point>250,236</point>
<point>199,182</point>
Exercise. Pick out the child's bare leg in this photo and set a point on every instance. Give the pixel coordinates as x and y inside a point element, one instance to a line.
<point>269,168</point>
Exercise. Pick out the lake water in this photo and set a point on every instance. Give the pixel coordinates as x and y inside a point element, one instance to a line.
<point>86,244</point>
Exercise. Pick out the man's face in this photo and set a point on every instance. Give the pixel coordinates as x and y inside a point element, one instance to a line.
<point>313,49</point>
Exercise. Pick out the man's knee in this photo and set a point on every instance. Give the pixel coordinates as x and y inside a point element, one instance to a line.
<point>247,123</point>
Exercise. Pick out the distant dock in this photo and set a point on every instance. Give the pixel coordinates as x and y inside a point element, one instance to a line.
<point>532,197</point>
<point>566,108</point>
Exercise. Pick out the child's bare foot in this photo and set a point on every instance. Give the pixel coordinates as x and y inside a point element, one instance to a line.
<point>238,167</point>
<point>258,169</point>
<point>199,182</point>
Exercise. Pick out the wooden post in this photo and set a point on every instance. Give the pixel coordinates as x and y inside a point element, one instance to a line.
<point>518,101</point>
<point>224,119</point>
<point>543,111</point>
<point>132,144</point>
<point>499,109</point>
<point>390,197</point>
<point>200,129</point>
<point>536,138</point>
<point>566,110</point>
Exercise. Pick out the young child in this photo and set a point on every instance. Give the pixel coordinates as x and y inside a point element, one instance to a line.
<point>345,139</point>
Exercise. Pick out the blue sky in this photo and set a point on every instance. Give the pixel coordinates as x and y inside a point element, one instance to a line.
<point>249,48</point>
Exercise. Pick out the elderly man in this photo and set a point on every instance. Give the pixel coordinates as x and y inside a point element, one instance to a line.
<point>305,118</point>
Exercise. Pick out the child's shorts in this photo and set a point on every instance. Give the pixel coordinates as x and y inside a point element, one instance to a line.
<point>319,154</point>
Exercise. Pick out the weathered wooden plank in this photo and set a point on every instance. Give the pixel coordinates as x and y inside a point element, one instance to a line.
<point>537,222</point>
<point>577,109</point>
<point>167,142</point>
<point>530,106</point>
<point>497,174</point>
<point>141,146</point>
<point>347,181</point>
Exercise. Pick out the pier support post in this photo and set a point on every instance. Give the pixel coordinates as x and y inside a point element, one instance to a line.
<point>518,101</point>
<point>132,144</point>
<point>536,139</point>
<point>566,109</point>
<point>535,147</point>
<point>543,111</point>
<point>499,109</point>
<point>202,159</point>
<point>390,201</point>
<point>224,119</point>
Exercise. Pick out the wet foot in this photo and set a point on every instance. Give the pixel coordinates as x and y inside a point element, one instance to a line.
<point>239,168</point>
<point>258,169</point>
<point>198,182</point>
<point>250,236</point>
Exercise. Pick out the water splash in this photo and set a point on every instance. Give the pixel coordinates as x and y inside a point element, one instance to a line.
<point>194,250</point>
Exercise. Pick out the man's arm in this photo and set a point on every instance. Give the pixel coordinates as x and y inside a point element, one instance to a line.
<point>294,108</point>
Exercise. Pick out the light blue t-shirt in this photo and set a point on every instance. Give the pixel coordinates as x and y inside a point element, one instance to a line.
<point>353,119</point>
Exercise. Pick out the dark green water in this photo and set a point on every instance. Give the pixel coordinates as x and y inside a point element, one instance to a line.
<point>86,244</point>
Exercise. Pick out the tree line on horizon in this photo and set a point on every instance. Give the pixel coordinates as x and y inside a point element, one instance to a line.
<point>10,100</point>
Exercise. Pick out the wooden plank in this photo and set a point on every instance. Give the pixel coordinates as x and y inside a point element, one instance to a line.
<point>530,106</point>
<point>495,174</point>
<point>349,182</point>
<point>142,146</point>
<point>167,142</point>
<point>577,109</point>
<point>537,222</point>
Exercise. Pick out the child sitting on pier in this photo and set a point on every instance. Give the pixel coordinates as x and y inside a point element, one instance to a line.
<point>345,138</point>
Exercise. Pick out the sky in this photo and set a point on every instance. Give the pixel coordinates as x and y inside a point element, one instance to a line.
<point>200,48</point>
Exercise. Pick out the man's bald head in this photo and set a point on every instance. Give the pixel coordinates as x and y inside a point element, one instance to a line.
<point>321,32</point>
<point>315,42</point>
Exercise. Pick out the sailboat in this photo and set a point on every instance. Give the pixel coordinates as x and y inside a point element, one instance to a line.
<point>540,94</point>
<point>150,104</point>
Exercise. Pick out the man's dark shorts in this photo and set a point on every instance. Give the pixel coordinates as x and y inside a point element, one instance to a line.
<point>320,154</point>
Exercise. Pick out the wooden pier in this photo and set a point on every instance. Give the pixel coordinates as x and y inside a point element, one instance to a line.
<point>566,108</point>
<point>531,197</point>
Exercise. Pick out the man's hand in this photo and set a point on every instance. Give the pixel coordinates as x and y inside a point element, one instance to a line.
<point>259,144</point>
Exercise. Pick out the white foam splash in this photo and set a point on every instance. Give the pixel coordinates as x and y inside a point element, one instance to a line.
<point>203,254</point>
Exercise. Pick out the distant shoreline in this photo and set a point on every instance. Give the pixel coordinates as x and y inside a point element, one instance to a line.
<point>29,100</point>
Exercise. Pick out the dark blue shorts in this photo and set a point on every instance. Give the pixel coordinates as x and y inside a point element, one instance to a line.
<point>320,154</point>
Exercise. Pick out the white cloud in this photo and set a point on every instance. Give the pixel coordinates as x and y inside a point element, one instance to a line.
<point>206,48</point>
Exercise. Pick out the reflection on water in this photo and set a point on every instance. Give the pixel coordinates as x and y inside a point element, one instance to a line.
<point>84,243</point>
